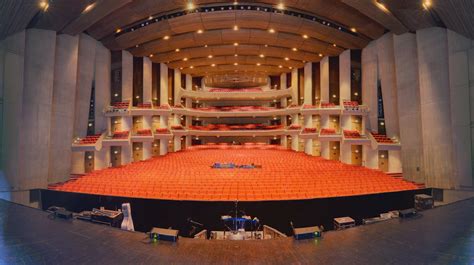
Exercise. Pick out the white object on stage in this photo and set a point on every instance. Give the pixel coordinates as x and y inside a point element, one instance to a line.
<point>127,223</point>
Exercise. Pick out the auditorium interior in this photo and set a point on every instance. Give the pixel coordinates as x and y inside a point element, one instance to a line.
<point>237,132</point>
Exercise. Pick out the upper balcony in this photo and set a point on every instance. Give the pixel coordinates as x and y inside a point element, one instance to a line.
<point>242,95</point>
<point>240,111</point>
<point>118,109</point>
<point>88,143</point>
<point>119,138</point>
<point>383,142</point>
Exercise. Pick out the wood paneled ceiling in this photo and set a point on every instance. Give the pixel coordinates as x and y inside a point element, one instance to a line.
<point>271,36</point>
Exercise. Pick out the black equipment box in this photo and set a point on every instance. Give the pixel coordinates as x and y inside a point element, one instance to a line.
<point>407,213</point>
<point>307,232</point>
<point>164,234</point>
<point>423,202</point>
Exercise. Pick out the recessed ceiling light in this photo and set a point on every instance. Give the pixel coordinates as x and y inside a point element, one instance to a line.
<point>294,49</point>
<point>236,44</point>
<point>181,68</point>
<point>236,27</point>
<point>191,67</point>
<point>213,65</point>
<point>427,4</point>
<point>381,6</point>
<point>258,64</point>
<point>185,59</point>
<point>177,50</point>
<point>262,55</point>
<point>200,31</point>
<point>205,46</point>
<point>236,3</point>
<point>235,55</point>
<point>89,8</point>
<point>151,55</point>
<point>150,17</point>
<point>290,67</point>
<point>320,55</point>
<point>266,45</point>
<point>280,66</point>
<point>280,6</point>
<point>353,29</point>
<point>166,37</point>
<point>210,56</point>
<point>287,59</point>
<point>305,36</point>
<point>118,31</point>
<point>44,5</point>
<point>334,45</point>
<point>271,30</point>
<point>236,64</point>
<point>190,6</point>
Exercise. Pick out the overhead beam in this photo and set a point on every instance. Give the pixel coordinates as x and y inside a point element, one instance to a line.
<point>378,12</point>
<point>247,60</point>
<point>97,11</point>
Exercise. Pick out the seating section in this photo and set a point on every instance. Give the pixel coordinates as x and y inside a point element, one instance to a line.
<point>162,131</point>
<point>121,105</point>
<point>177,127</point>
<point>144,105</point>
<point>307,106</point>
<point>235,108</point>
<point>144,132</point>
<point>256,89</point>
<point>327,131</point>
<point>294,127</point>
<point>310,130</point>
<point>328,105</point>
<point>352,134</point>
<point>351,105</point>
<point>120,135</point>
<point>187,175</point>
<point>90,139</point>
<point>382,138</point>
<point>229,127</point>
<point>163,107</point>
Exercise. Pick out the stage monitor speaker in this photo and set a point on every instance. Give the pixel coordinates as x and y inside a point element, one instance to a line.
<point>407,213</point>
<point>307,232</point>
<point>164,234</point>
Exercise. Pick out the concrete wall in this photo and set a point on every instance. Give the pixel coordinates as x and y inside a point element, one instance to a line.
<point>432,47</point>
<point>85,77</point>
<point>147,79</point>
<point>324,64</point>
<point>369,83</point>
<point>37,107</point>
<point>12,50</point>
<point>127,76</point>
<point>64,96</point>
<point>386,69</point>
<point>459,92</point>
<point>344,76</point>
<point>408,93</point>
<point>102,86</point>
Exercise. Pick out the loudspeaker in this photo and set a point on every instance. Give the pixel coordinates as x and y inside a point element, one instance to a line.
<point>307,232</point>
<point>164,234</point>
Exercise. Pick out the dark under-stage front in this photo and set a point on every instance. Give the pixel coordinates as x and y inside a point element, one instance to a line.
<point>148,213</point>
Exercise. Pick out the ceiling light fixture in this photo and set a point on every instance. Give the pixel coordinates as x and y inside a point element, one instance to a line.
<point>280,66</point>
<point>258,64</point>
<point>166,37</point>
<point>427,4</point>
<point>235,55</point>
<point>354,30</point>
<point>190,5</point>
<point>271,30</point>
<point>320,55</point>
<point>236,64</point>
<point>236,27</point>
<point>381,6</point>
<point>334,45</point>
<point>185,59</point>
<point>44,5</point>
<point>177,50</point>
<point>151,55</point>
<point>213,65</point>
<point>191,67</point>
<point>294,49</point>
<point>262,55</point>
<point>236,44</point>
<point>210,56</point>
<point>89,8</point>
<point>287,59</point>
<point>305,36</point>
<point>280,6</point>
<point>200,31</point>
<point>118,31</point>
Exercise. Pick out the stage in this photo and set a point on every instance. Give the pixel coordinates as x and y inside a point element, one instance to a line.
<point>443,235</point>
<point>279,175</point>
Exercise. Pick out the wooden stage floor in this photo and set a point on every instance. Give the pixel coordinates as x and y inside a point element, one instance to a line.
<point>444,235</point>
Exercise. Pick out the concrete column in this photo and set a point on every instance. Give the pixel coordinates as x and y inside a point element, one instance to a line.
<point>102,86</point>
<point>432,47</point>
<point>471,95</point>
<point>459,92</point>
<point>308,143</point>
<point>388,80</point>
<point>163,122</point>
<point>177,143</point>
<point>62,116</point>
<point>40,51</point>
<point>188,104</point>
<point>177,87</point>
<point>369,84</point>
<point>408,93</point>
<point>147,80</point>
<point>77,163</point>
<point>109,126</point>
<point>308,83</point>
<point>12,82</point>
<point>295,145</point>
<point>294,86</point>
<point>284,104</point>
<point>324,64</point>
<point>147,122</point>
<point>102,158</point>
<point>370,157</point>
<point>325,152</point>
<point>346,153</point>
<point>127,123</point>
<point>325,121</point>
<point>147,150</point>
<point>344,76</point>
<point>126,154</point>
<point>127,76</point>
<point>85,77</point>
<point>163,147</point>
<point>394,161</point>
<point>346,122</point>
<point>164,84</point>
